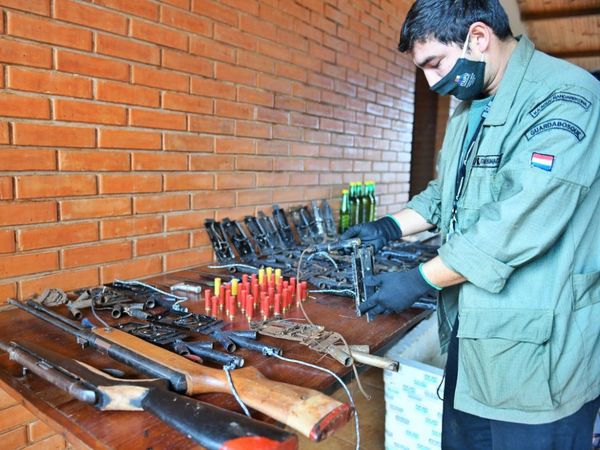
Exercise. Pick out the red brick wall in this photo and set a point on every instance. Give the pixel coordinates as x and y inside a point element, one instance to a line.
<point>124,124</point>
<point>20,429</point>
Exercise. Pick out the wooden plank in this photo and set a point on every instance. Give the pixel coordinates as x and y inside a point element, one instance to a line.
<point>573,36</point>
<point>537,9</point>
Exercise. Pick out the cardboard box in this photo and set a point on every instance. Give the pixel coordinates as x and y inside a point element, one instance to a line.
<point>413,416</point>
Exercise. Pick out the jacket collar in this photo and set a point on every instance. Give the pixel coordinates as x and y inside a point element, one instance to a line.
<point>509,86</point>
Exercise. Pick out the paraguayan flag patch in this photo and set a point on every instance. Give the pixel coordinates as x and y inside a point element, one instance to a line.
<point>542,161</point>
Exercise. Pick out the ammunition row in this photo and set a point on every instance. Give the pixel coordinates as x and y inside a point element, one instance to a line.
<point>267,294</point>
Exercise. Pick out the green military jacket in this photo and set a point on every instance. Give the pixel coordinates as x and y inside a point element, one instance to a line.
<point>527,241</point>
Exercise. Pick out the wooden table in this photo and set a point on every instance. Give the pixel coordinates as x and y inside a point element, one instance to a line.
<point>84,425</point>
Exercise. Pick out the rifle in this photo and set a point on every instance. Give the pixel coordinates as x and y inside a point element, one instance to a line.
<point>319,221</point>
<point>208,425</point>
<point>330,228</point>
<point>258,232</point>
<point>268,225</point>
<point>310,412</point>
<point>236,235</point>
<point>283,227</point>
<point>222,248</point>
<point>302,225</point>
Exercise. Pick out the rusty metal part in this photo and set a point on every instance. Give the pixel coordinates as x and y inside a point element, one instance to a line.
<point>51,297</point>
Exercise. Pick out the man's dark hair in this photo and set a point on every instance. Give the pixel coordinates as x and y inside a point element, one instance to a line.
<point>448,21</point>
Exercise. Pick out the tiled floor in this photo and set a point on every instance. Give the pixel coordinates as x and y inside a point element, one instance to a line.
<point>371,414</point>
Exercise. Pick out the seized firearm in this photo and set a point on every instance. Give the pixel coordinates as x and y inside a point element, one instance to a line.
<point>260,235</point>
<point>223,249</point>
<point>199,323</point>
<point>319,221</point>
<point>302,224</point>
<point>320,340</point>
<point>235,233</point>
<point>309,412</point>
<point>210,426</point>
<point>283,227</point>
<point>270,228</point>
<point>330,227</point>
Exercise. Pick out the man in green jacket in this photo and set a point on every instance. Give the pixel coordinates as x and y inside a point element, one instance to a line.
<point>517,201</point>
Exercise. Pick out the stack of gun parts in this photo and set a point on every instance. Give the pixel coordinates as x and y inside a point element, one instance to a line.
<point>267,293</point>
<point>278,242</point>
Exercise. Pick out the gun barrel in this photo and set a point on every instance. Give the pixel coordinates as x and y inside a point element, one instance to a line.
<point>214,355</point>
<point>53,318</point>
<point>46,370</point>
<point>256,346</point>
<point>247,334</point>
<point>114,350</point>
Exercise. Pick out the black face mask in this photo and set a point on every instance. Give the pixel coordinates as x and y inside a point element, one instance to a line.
<point>465,80</point>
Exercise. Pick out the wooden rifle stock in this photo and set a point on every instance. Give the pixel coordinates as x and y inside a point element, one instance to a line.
<point>212,427</point>
<point>307,411</point>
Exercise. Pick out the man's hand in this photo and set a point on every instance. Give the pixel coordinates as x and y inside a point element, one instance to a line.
<point>395,292</point>
<point>377,233</point>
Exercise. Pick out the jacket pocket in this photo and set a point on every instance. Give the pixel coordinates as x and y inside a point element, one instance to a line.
<point>466,217</point>
<point>505,357</point>
<point>586,289</point>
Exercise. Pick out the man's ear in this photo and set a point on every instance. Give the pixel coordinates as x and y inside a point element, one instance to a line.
<point>480,37</point>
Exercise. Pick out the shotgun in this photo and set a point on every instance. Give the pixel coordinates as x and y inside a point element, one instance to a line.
<point>307,411</point>
<point>210,426</point>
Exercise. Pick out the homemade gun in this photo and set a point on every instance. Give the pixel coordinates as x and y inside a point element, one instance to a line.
<point>283,227</point>
<point>210,426</point>
<point>309,412</point>
<point>221,246</point>
<point>260,235</point>
<point>329,221</point>
<point>268,225</point>
<point>199,323</point>
<point>320,340</point>
<point>236,235</point>
<point>319,221</point>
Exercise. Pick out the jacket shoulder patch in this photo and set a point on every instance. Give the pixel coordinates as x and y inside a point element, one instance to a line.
<point>555,124</point>
<point>560,97</point>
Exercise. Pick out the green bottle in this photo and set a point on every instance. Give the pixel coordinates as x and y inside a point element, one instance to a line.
<point>357,204</point>
<point>373,205</point>
<point>344,212</point>
<point>365,203</point>
<point>351,203</point>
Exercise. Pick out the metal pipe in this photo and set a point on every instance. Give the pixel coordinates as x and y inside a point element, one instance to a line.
<point>214,355</point>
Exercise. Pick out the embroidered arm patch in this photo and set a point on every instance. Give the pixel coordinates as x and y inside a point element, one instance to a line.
<point>555,124</point>
<point>560,97</point>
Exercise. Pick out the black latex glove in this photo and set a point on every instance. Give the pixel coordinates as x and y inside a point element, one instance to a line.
<point>377,233</point>
<point>395,291</point>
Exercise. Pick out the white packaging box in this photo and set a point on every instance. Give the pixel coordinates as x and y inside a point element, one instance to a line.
<point>413,416</point>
